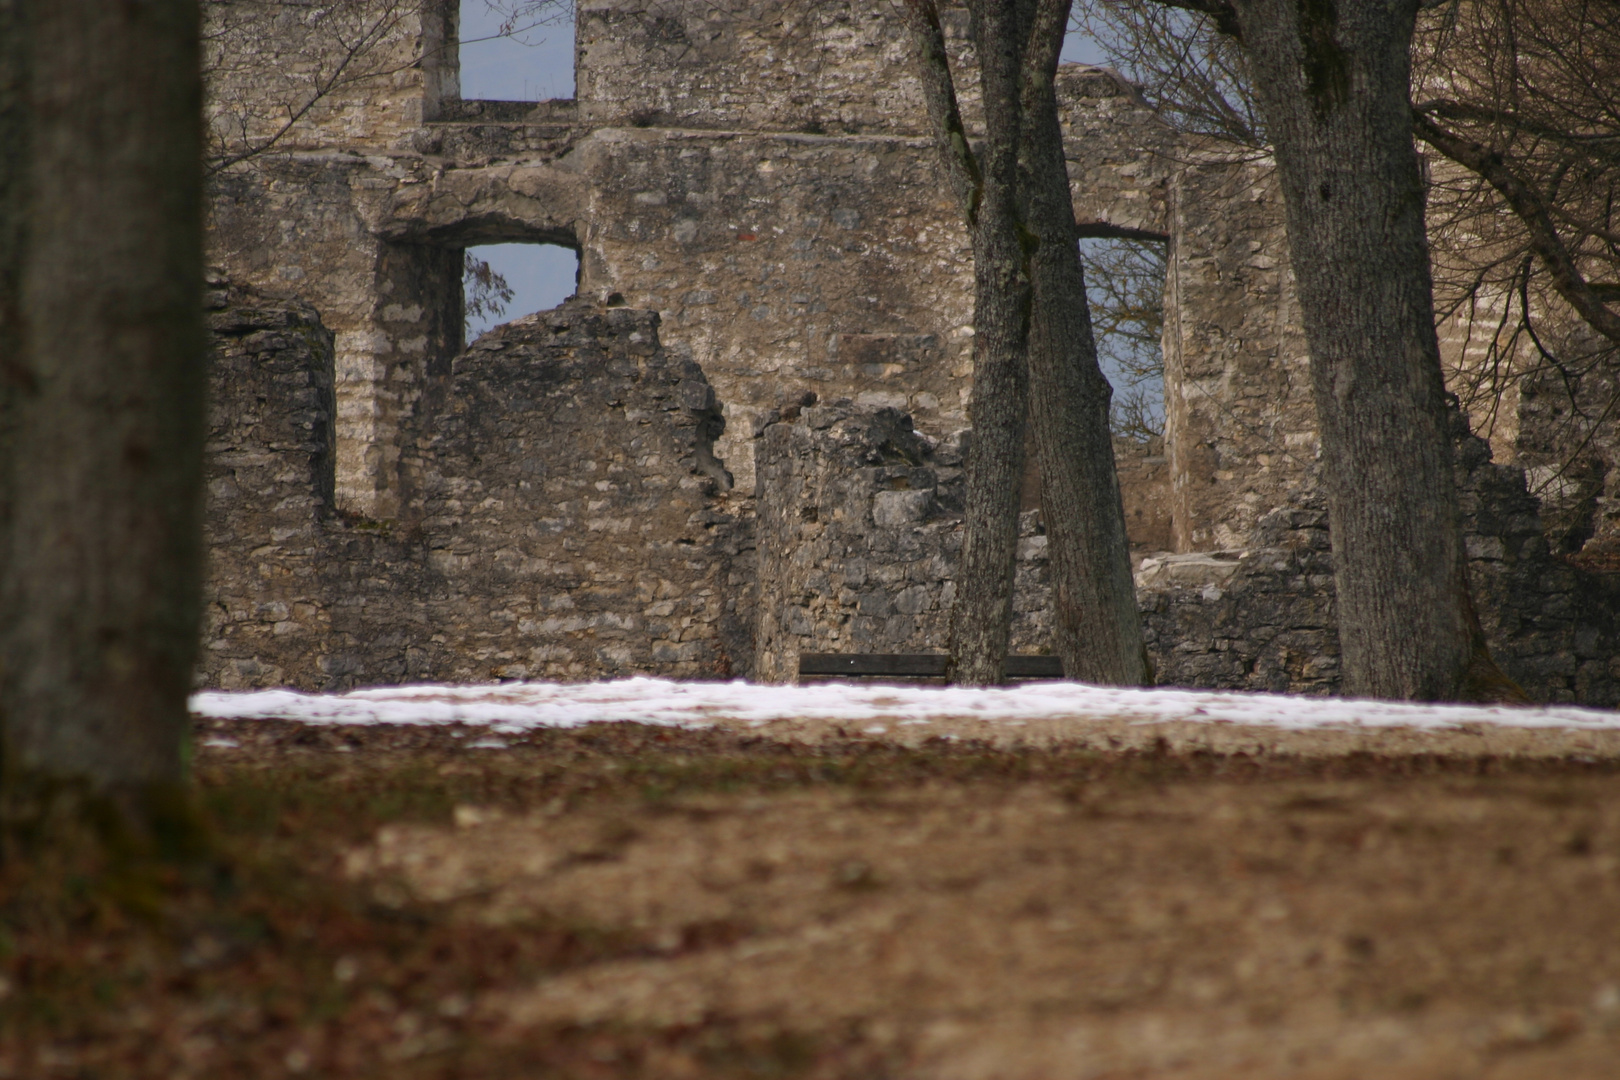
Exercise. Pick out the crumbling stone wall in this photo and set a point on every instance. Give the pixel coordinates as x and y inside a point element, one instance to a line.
<point>1257,619</point>
<point>307,224</point>
<point>1263,619</point>
<point>572,511</point>
<point>1553,624</point>
<point>834,263</point>
<point>758,176</point>
<point>859,531</point>
<point>566,516</point>
<point>1568,439</point>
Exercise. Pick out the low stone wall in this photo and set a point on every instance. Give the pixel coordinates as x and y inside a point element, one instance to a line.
<point>859,529</point>
<point>566,517</point>
<point>1553,625</point>
<point>1264,619</point>
<point>1258,619</point>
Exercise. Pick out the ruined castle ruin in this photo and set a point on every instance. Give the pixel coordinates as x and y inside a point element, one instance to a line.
<point>742,440</point>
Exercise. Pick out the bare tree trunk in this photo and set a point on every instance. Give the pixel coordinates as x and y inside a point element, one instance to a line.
<point>985,187</point>
<point>13,153</point>
<point>1332,84</point>
<point>1033,332</point>
<point>104,387</point>
<point>1096,623</point>
<point>981,620</point>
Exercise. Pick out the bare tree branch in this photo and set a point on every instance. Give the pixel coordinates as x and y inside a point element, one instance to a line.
<point>939,93</point>
<point>1527,204</point>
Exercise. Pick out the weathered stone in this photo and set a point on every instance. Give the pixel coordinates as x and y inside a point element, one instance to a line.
<point>546,501</point>
<point>1258,619</point>
<point>558,498</point>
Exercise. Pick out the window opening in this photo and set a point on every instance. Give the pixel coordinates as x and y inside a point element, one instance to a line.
<point>517,50</point>
<point>1125,287</point>
<point>501,282</point>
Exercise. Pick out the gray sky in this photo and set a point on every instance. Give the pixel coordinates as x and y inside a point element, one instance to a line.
<point>536,65</point>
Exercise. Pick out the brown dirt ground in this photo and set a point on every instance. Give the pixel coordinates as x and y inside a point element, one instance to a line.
<point>623,901</point>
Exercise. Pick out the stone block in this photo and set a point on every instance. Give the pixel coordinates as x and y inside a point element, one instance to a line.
<point>897,509</point>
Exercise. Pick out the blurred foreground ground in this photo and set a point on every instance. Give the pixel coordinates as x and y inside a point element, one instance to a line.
<point>626,901</point>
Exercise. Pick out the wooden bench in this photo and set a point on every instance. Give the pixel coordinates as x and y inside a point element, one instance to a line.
<point>916,665</point>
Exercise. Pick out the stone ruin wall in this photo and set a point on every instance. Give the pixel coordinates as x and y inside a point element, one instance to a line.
<point>762,185</point>
<point>766,188</point>
<point>563,519</point>
<point>859,531</point>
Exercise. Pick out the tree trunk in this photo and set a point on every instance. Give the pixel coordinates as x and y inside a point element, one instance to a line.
<point>13,215</point>
<point>1032,331</point>
<point>1096,624</point>
<point>981,620</point>
<point>104,378</point>
<point>985,188</point>
<point>1332,83</point>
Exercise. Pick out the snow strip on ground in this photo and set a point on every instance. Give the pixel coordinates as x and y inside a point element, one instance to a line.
<point>517,707</point>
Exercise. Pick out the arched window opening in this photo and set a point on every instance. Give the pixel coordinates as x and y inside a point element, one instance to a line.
<point>501,282</point>
<point>517,50</point>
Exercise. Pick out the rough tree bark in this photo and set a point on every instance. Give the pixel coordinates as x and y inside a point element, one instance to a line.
<point>1032,331</point>
<point>1096,623</point>
<point>1331,80</point>
<point>985,189</point>
<point>103,389</point>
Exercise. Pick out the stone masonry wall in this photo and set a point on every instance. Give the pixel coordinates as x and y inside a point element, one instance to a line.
<point>566,518</point>
<point>1553,625</point>
<point>815,66</point>
<point>758,175</point>
<point>572,512</point>
<point>834,263</point>
<point>301,76</point>
<point>700,175</point>
<point>1263,619</point>
<point>1240,425</point>
<point>269,490</point>
<point>859,530</point>
<point>1568,439</point>
<point>308,224</point>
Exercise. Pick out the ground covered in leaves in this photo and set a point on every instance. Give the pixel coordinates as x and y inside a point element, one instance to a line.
<point>624,901</point>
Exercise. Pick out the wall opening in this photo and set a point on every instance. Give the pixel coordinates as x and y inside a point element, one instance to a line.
<point>517,50</point>
<point>501,282</point>
<point>1125,287</point>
